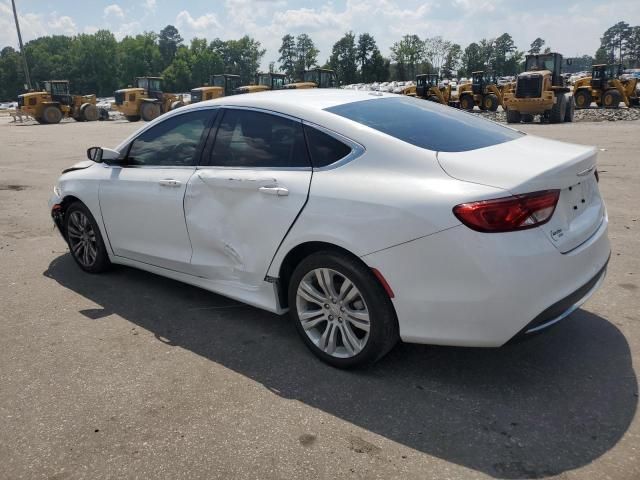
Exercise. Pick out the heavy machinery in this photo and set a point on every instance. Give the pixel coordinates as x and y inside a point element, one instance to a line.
<point>540,90</point>
<point>220,85</point>
<point>146,100</point>
<point>315,78</point>
<point>605,87</point>
<point>428,87</point>
<point>264,82</point>
<point>483,92</point>
<point>54,102</point>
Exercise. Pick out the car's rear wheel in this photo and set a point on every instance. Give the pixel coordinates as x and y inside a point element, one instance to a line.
<point>84,239</point>
<point>341,310</point>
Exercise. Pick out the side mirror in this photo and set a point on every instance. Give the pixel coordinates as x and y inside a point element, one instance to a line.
<point>103,155</point>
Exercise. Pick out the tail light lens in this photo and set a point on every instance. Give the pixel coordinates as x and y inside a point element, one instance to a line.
<point>508,214</point>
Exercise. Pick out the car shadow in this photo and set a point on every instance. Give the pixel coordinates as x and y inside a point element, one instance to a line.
<point>537,408</point>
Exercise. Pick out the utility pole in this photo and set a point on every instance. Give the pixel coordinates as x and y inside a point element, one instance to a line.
<point>22,54</point>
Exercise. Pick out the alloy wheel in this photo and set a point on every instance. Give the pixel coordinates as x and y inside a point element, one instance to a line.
<point>82,238</point>
<point>333,313</point>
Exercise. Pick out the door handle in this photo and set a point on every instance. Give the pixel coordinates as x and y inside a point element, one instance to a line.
<point>278,191</point>
<point>170,182</point>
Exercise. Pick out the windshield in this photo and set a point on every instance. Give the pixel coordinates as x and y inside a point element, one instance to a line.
<point>278,82</point>
<point>218,81</point>
<point>426,124</point>
<point>264,80</point>
<point>540,63</point>
<point>155,84</point>
<point>311,76</point>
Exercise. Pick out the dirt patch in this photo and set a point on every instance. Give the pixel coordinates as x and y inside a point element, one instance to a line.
<point>15,188</point>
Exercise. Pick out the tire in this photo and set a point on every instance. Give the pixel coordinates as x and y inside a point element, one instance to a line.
<point>583,99</point>
<point>513,116</point>
<point>570,110</point>
<point>51,114</point>
<point>526,117</point>
<point>133,118</point>
<point>491,102</point>
<point>103,114</point>
<point>84,239</point>
<point>149,111</point>
<point>352,346</point>
<point>89,112</point>
<point>611,99</point>
<point>467,103</point>
<point>558,110</point>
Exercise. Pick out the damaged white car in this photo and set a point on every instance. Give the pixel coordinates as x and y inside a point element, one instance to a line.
<point>370,217</point>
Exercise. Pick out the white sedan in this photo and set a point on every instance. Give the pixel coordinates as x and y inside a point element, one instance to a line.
<point>369,217</point>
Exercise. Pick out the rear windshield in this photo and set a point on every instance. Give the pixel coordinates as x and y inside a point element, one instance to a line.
<point>426,124</point>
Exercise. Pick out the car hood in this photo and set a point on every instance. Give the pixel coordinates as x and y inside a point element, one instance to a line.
<point>79,166</point>
<point>524,165</point>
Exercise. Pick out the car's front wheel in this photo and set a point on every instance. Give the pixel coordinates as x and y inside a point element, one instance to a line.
<point>84,239</point>
<point>341,310</point>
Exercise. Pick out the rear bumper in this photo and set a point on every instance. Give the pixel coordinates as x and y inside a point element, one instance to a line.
<point>464,288</point>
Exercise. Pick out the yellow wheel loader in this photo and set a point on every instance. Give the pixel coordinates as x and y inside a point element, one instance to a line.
<point>315,78</point>
<point>146,100</point>
<point>540,90</point>
<point>428,87</point>
<point>606,88</point>
<point>263,83</point>
<point>54,102</point>
<point>482,92</point>
<point>220,85</point>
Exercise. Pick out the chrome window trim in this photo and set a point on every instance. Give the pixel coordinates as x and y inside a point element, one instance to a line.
<point>357,149</point>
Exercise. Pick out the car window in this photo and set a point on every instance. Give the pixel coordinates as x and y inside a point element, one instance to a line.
<point>173,142</point>
<point>324,149</point>
<point>247,138</point>
<point>426,124</point>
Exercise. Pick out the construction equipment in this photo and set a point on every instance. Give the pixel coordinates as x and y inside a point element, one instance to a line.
<point>429,88</point>
<point>54,102</point>
<point>220,85</point>
<point>605,87</point>
<point>264,82</point>
<point>540,90</point>
<point>146,100</point>
<point>482,92</point>
<point>315,78</point>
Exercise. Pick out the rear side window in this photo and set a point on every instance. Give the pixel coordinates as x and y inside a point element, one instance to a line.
<point>247,138</point>
<point>324,149</point>
<point>426,124</point>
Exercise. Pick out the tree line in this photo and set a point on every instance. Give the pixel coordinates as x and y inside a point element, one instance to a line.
<point>98,63</point>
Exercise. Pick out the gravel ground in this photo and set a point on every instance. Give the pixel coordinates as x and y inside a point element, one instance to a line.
<point>129,375</point>
<point>583,115</point>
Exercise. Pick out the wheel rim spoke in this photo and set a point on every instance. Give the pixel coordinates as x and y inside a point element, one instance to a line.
<point>82,239</point>
<point>333,313</point>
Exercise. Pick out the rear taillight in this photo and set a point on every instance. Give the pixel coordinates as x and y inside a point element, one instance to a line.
<point>509,213</point>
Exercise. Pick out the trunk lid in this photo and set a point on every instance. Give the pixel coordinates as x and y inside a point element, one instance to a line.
<point>532,164</point>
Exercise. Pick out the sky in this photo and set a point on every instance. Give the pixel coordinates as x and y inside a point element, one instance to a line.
<point>571,28</point>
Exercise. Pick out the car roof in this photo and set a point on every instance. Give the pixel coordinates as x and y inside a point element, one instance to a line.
<point>293,100</point>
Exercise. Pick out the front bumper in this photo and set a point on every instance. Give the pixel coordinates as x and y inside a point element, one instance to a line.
<point>465,288</point>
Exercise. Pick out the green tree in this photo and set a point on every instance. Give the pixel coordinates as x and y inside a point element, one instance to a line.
<point>241,57</point>
<point>11,74</point>
<point>306,54</point>
<point>536,46</point>
<point>138,56</point>
<point>343,59</point>
<point>288,56</point>
<point>204,62</point>
<point>472,59</point>
<point>616,42</point>
<point>94,61</point>
<point>408,54</point>
<point>177,76</point>
<point>633,55</point>
<point>366,49</point>
<point>169,40</point>
<point>504,50</point>
<point>452,61</point>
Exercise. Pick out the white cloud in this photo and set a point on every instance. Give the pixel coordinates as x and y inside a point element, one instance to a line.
<point>199,24</point>
<point>113,10</point>
<point>150,5</point>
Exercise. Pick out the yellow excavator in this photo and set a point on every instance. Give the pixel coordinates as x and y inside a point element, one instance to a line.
<point>220,85</point>
<point>146,100</point>
<point>540,90</point>
<point>264,82</point>
<point>54,102</point>
<point>606,88</point>
<point>482,92</point>
<point>315,78</point>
